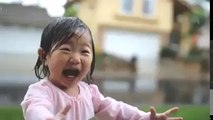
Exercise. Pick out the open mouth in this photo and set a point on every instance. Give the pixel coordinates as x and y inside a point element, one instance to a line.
<point>71,73</point>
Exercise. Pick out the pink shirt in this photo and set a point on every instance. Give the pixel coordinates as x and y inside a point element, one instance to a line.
<point>44,100</point>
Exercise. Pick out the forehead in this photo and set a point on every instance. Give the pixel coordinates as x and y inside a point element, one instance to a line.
<point>80,36</point>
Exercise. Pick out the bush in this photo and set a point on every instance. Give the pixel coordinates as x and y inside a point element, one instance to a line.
<point>167,52</point>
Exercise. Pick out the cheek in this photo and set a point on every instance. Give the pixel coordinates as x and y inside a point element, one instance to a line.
<point>56,63</point>
<point>87,63</point>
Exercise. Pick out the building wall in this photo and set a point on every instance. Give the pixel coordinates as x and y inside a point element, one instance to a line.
<point>20,34</point>
<point>18,53</point>
<point>106,13</point>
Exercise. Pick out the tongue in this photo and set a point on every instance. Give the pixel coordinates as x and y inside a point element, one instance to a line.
<point>71,72</point>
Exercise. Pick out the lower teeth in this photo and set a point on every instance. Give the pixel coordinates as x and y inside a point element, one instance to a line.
<point>71,76</point>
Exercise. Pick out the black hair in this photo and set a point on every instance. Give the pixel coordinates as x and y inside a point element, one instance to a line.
<point>55,34</point>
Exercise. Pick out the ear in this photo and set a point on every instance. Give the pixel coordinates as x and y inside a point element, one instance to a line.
<point>42,54</point>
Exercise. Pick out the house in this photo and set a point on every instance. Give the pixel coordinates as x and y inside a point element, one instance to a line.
<point>141,28</point>
<point>145,24</point>
<point>129,28</point>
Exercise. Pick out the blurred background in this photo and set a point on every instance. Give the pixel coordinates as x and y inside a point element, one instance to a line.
<point>148,52</point>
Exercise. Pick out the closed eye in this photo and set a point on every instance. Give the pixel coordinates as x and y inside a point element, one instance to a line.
<point>85,51</point>
<point>65,49</point>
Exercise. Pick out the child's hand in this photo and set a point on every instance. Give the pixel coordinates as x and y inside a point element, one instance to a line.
<point>165,115</point>
<point>61,115</point>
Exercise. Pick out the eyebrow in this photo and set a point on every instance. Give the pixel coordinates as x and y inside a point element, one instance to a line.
<point>86,44</point>
<point>81,44</point>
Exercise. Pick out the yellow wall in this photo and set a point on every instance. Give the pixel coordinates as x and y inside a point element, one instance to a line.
<point>106,13</point>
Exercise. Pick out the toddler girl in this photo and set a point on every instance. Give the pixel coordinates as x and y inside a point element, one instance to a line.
<point>65,91</point>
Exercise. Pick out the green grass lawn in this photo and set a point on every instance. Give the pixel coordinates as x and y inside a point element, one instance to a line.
<point>11,113</point>
<point>188,112</point>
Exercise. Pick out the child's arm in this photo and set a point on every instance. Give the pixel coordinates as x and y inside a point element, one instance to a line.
<point>107,108</point>
<point>37,104</point>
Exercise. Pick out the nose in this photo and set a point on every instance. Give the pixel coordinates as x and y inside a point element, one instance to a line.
<point>74,58</point>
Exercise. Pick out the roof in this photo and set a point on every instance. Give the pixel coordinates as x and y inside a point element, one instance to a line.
<point>23,15</point>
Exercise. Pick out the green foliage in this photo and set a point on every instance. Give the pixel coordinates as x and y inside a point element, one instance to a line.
<point>195,51</point>
<point>195,55</point>
<point>197,19</point>
<point>167,52</point>
<point>70,11</point>
<point>200,56</point>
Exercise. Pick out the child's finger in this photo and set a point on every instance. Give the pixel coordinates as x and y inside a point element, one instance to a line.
<point>175,118</point>
<point>62,114</point>
<point>65,110</point>
<point>153,112</point>
<point>172,110</point>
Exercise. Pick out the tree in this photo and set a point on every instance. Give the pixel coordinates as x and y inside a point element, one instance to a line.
<point>197,19</point>
<point>71,8</point>
<point>70,11</point>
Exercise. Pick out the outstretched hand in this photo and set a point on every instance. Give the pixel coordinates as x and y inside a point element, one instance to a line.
<point>164,116</point>
<point>61,115</point>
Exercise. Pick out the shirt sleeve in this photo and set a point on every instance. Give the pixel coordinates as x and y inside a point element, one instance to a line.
<point>37,104</point>
<point>107,108</point>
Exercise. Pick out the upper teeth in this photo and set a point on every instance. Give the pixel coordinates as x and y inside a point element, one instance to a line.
<point>70,76</point>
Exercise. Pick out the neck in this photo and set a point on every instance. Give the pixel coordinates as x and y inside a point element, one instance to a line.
<point>73,91</point>
<point>70,90</point>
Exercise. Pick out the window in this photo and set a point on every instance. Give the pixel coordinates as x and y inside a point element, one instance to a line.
<point>126,6</point>
<point>148,8</point>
